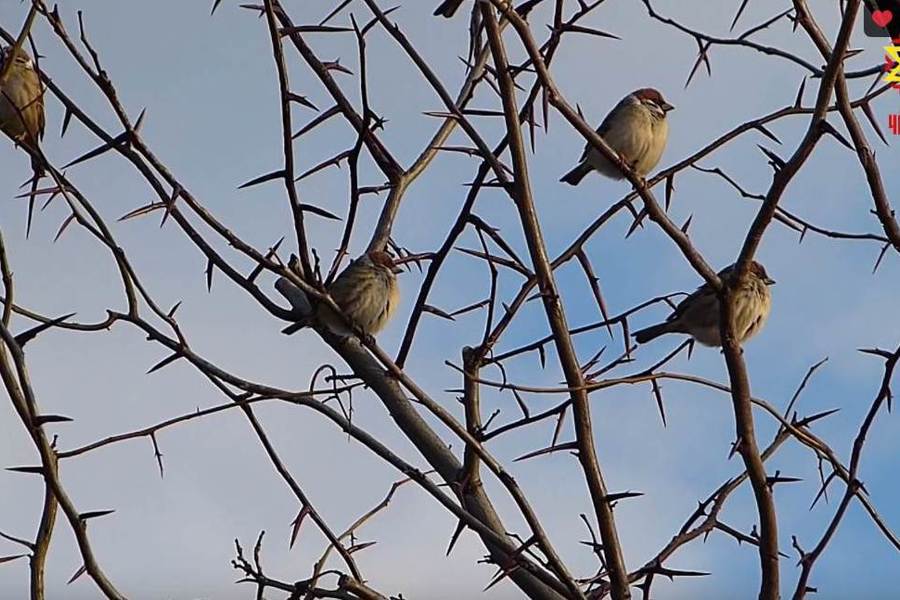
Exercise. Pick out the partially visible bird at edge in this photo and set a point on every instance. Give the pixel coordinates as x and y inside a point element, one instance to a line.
<point>22,109</point>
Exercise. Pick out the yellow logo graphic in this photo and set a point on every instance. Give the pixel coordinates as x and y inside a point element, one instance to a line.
<point>893,56</point>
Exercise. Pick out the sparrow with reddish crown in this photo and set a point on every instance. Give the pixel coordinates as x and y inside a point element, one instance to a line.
<point>366,292</point>
<point>636,129</point>
<point>698,314</point>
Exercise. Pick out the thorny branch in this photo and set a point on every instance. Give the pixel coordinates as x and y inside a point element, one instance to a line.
<point>528,558</point>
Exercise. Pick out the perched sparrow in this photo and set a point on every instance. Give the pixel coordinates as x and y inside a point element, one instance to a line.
<point>21,100</point>
<point>22,112</point>
<point>636,128</point>
<point>366,291</point>
<point>447,8</point>
<point>698,314</point>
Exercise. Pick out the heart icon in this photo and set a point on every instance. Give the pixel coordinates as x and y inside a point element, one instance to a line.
<point>882,17</point>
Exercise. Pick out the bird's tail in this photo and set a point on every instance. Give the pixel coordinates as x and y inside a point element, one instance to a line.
<point>575,176</point>
<point>645,335</point>
<point>447,8</point>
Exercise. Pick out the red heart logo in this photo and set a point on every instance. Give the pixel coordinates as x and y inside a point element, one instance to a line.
<point>882,17</point>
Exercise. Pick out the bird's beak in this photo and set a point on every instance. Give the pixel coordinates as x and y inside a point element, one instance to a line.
<point>769,281</point>
<point>398,270</point>
<point>667,107</point>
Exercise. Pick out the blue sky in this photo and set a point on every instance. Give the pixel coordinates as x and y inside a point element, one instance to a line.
<point>210,89</point>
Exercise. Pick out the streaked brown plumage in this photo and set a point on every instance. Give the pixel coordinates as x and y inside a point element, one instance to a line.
<point>22,112</point>
<point>21,100</point>
<point>698,314</point>
<point>366,291</point>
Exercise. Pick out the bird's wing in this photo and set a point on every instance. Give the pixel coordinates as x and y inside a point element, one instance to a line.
<point>606,124</point>
<point>698,307</point>
<point>601,131</point>
<point>701,307</point>
<point>344,290</point>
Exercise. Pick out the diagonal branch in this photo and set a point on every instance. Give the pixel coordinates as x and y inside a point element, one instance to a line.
<point>522,196</point>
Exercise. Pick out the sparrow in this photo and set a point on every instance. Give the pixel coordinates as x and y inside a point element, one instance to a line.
<point>22,111</point>
<point>21,100</point>
<point>698,314</point>
<point>636,128</point>
<point>366,291</point>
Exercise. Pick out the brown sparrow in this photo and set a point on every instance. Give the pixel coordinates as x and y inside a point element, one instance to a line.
<point>366,291</point>
<point>636,128</point>
<point>21,100</point>
<point>22,112</point>
<point>698,314</point>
